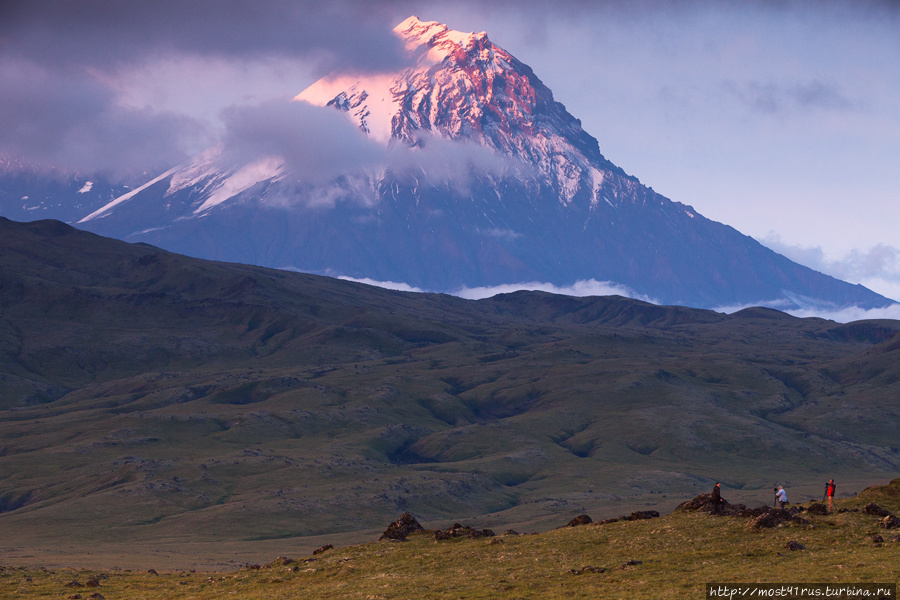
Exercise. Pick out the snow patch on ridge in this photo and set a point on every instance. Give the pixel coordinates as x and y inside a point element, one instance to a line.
<point>264,169</point>
<point>125,197</point>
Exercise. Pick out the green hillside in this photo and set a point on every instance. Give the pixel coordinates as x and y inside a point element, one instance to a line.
<point>148,399</point>
<point>674,556</point>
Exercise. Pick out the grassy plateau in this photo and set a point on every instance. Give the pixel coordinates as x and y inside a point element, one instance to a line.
<point>669,557</point>
<point>158,411</point>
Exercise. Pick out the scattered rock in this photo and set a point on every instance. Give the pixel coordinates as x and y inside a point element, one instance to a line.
<point>639,515</point>
<point>873,509</point>
<point>497,540</point>
<point>792,545</point>
<point>97,596</point>
<point>95,582</point>
<point>817,508</point>
<point>800,520</point>
<point>510,532</point>
<point>74,597</point>
<point>580,520</point>
<point>607,521</point>
<point>843,510</point>
<point>152,571</point>
<point>74,583</point>
<point>754,512</point>
<point>461,531</point>
<point>890,522</point>
<point>584,570</point>
<point>877,539</point>
<point>281,561</point>
<point>399,529</point>
<point>771,518</point>
<point>630,563</point>
<point>322,549</point>
<point>704,503</point>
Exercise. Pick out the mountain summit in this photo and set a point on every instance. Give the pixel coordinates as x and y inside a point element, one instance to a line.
<point>482,179</point>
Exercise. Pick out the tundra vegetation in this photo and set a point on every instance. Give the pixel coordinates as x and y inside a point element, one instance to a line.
<point>672,556</point>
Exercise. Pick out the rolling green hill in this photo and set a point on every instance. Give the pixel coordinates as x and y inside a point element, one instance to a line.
<point>147,397</point>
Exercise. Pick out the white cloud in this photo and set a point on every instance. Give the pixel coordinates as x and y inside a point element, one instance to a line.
<point>844,314</point>
<point>877,268</point>
<point>592,287</point>
<point>389,285</point>
<point>850,313</point>
<point>588,287</point>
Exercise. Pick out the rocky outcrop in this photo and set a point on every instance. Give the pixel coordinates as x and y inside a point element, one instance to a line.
<point>773,517</point>
<point>580,520</point>
<point>640,515</point>
<point>817,508</point>
<point>402,527</point>
<point>890,522</point>
<point>873,509</point>
<point>457,531</point>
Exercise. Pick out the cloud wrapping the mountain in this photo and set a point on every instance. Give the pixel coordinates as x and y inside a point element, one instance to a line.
<point>318,145</point>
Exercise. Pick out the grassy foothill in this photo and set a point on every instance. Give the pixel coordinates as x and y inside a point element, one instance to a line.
<point>673,556</point>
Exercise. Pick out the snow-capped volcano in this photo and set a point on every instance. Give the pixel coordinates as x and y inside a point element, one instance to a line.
<point>530,197</point>
<point>463,87</point>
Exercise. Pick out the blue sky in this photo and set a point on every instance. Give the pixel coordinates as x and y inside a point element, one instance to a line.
<point>781,119</point>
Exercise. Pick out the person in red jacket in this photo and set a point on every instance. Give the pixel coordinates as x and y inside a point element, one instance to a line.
<point>829,493</point>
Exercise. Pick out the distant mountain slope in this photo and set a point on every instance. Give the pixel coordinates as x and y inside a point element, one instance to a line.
<point>160,395</point>
<point>485,180</point>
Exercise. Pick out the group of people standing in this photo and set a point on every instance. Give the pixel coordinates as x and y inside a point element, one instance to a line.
<point>780,496</point>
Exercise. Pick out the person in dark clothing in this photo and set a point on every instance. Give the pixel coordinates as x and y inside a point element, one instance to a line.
<point>716,498</point>
<point>829,493</point>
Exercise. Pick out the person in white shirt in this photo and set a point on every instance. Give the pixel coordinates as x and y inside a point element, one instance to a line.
<point>781,497</point>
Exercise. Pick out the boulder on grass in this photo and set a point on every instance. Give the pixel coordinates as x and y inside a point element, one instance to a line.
<point>817,508</point>
<point>402,527</point>
<point>873,509</point>
<point>580,520</point>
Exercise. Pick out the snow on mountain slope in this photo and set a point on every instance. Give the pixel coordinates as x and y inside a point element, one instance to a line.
<point>486,180</point>
<point>463,87</point>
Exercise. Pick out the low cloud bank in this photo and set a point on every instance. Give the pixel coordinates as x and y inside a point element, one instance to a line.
<point>592,287</point>
<point>842,314</point>
<point>587,287</point>
<point>849,313</point>
<point>389,285</point>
